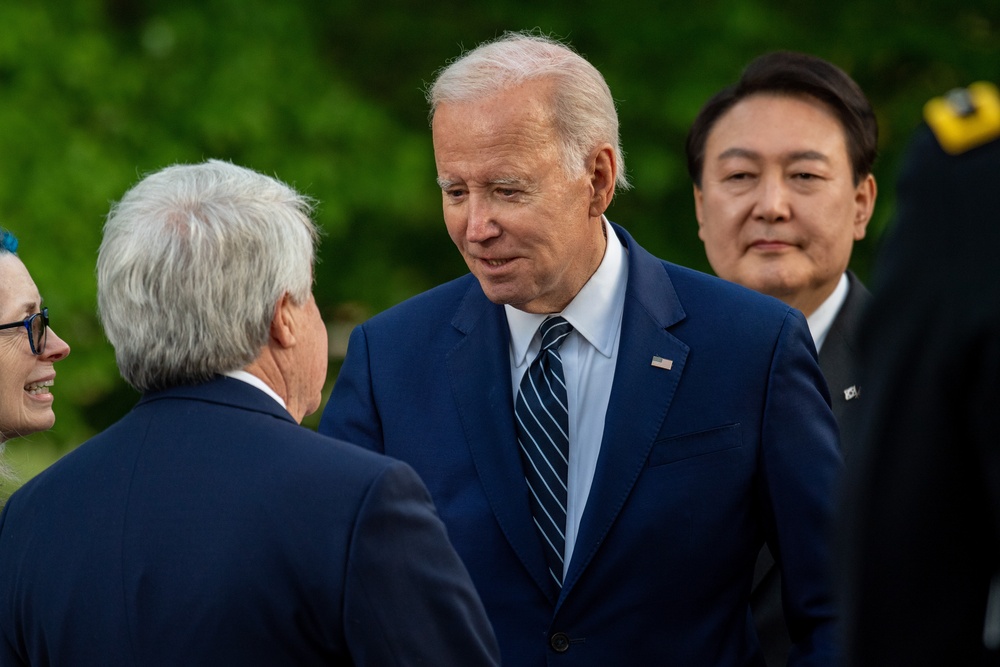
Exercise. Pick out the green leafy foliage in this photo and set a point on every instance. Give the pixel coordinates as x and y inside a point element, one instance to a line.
<point>328,96</point>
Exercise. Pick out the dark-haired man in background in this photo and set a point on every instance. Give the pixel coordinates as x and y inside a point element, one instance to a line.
<point>781,163</point>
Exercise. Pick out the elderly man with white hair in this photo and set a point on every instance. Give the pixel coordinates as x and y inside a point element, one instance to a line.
<point>207,527</point>
<point>609,437</point>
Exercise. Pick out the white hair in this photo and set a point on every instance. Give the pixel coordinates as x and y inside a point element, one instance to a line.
<point>192,264</point>
<point>583,109</point>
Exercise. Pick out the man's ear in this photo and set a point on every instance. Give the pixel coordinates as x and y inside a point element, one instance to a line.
<point>699,211</point>
<point>603,172</point>
<point>283,323</point>
<point>864,200</point>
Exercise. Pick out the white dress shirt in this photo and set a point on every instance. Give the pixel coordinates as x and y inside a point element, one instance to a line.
<point>822,319</point>
<point>252,379</point>
<point>588,354</point>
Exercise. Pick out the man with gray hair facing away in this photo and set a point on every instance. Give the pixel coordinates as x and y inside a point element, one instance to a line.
<point>609,437</point>
<point>207,527</point>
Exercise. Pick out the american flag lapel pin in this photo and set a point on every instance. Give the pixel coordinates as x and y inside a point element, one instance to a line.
<point>660,362</point>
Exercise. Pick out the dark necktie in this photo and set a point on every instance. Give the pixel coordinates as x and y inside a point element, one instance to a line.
<point>543,436</point>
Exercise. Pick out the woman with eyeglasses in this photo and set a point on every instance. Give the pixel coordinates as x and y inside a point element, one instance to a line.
<point>28,349</point>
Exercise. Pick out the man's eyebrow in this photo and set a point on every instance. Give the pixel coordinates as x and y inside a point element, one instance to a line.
<point>754,155</point>
<point>446,184</point>
<point>739,152</point>
<point>509,180</point>
<point>808,155</point>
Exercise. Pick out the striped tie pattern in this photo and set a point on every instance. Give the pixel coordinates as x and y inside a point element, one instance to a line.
<point>543,436</point>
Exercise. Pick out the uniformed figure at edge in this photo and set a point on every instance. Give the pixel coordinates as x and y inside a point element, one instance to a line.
<point>922,526</point>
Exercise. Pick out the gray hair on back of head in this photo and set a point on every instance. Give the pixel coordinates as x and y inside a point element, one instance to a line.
<point>583,109</point>
<point>193,261</point>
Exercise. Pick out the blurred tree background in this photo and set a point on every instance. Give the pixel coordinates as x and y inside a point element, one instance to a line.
<point>327,95</point>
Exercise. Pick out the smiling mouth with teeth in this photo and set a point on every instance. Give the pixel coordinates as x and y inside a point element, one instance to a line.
<point>39,387</point>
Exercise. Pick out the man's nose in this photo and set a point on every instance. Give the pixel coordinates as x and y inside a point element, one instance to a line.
<point>482,222</point>
<point>773,202</point>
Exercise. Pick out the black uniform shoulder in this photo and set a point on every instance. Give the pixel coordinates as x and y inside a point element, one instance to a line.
<point>965,118</point>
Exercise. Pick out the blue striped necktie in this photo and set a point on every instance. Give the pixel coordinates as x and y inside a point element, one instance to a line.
<point>543,436</point>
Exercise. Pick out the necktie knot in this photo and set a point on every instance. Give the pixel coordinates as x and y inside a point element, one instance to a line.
<point>554,331</point>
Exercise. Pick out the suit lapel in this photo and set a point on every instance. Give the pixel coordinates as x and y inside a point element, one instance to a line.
<point>838,361</point>
<point>486,410</point>
<point>640,398</point>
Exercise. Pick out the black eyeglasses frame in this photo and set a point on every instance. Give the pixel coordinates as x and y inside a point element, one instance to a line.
<point>28,323</point>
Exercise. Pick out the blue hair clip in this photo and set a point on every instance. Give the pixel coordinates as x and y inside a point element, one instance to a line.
<point>8,241</point>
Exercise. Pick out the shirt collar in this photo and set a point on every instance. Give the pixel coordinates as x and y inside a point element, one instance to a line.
<point>822,318</point>
<point>252,379</point>
<point>594,312</point>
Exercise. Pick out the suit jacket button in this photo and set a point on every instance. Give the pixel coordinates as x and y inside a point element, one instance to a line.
<point>559,642</point>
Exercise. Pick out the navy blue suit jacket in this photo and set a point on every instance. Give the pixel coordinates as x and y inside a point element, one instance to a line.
<point>698,464</point>
<point>208,528</point>
<point>839,361</point>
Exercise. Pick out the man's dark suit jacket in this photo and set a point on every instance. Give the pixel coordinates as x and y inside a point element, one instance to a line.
<point>838,360</point>
<point>699,463</point>
<point>208,528</point>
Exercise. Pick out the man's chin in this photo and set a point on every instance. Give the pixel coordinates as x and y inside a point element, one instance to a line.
<point>499,293</point>
<point>773,281</point>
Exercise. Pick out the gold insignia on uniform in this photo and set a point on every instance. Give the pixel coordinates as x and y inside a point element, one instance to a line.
<point>965,117</point>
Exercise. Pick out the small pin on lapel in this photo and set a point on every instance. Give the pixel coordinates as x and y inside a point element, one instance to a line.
<point>660,362</point>
<point>851,392</point>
